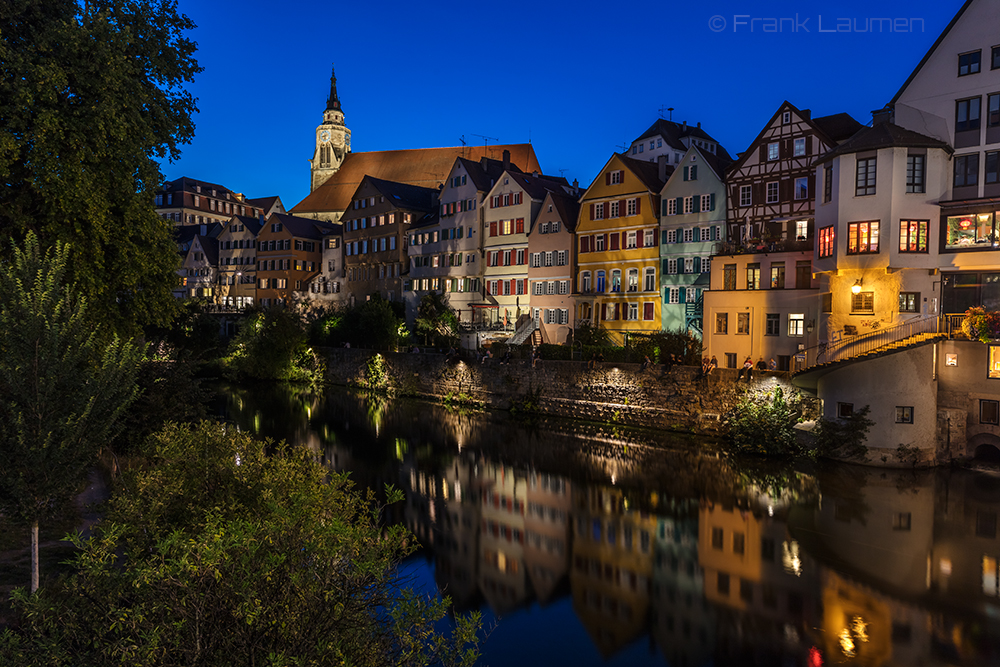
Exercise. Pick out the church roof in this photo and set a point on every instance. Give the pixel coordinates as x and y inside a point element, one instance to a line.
<point>426,167</point>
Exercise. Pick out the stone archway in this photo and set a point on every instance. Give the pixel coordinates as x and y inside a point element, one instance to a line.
<point>985,447</point>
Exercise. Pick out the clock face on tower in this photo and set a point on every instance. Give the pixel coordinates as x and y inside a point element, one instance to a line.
<point>324,136</point>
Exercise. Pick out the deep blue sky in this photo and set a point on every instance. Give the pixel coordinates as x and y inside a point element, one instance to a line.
<point>578,80</point>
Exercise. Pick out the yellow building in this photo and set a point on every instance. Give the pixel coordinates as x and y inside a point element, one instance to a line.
<point>618,254</point>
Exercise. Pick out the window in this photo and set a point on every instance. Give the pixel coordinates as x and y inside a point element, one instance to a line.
<point>966,170</point>
<point>772,324</point>
<point>631,206</point>
<point>743,323</point>
<point>828,182</point>
<point>598,211</point>
<point>688,235</point>
<point>691,294</point>
<point>548,258</point>
<point>746,196</point>
<point>970,232</point>
<point>729,277</point>
<point>915,173</point>
<point>650,281</point>
<point>539,287</point>
<point>689,205</point>
<point>826,241</point>
<point>909,302</point>
<point>671,266</point>
<point>777,275</point>
<point>717,538</point>
<point>706,265</point>
<point>772,192</point>
<point>992,168</point>
<point>753,276</point>
<point>862,238</point>
<point>633,280</point>
<point>722,323</point>
<point>995,59</point>
<point>630,241</point>
<point>773,150</point>
<point>673,295</point>
<point>968,63</point>
<point>796,325</point>
<point>993,371</point>
<point>904,415</point>
<point>599,243</point>
<point>802,188</point>
<point>967,114</point>
<point>633,311</point>
<point>799,147</point>
<point>845,410</point>
<point>614,209</point>
<point>616,280</point>
<point>671,206</point>
<point>689,265</point>
<point>706,203</point>
<point>865,182</point>
<point>863,303</point>
<point>649,238</point>
<point>585,281</point>
<point>563,286</point>
<point>989,411</point>
<point>913,235</point>
<point>786,117</point>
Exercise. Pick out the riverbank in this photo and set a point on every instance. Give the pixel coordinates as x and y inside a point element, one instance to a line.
<point>674,398</point>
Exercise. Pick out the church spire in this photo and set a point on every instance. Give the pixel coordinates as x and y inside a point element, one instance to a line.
<point>333,102</point>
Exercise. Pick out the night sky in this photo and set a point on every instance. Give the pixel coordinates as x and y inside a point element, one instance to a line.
<point>577,80</point>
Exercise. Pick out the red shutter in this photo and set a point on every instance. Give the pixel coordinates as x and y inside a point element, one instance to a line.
<point>621,208</point>
<point>513,287</point>
<point>607,178</point>
<point>638,205</point>
<point>606,246</point>
<point>624,240</point>
<point>520,225</point>
<point>604,311</point>
<point>618,311</point>
<point>647,310</point>
<point>524,286</point>
<point>591,211</point>
<point>493,229</point>
<point>583,244</point>
<point>638,238</point>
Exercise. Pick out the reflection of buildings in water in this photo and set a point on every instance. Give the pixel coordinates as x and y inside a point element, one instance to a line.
<point>457,546</point>
<point>612,566</point>
<point>964,565</point>
<point>683,623</point>
<point>753,568</point>
<point>546,532</point>
<point>503,502</point>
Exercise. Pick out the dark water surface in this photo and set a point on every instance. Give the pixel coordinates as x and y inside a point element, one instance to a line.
<point>596,545</point>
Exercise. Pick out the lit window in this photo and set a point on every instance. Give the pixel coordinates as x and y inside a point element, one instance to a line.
<point>796,324</point>
<point>904,415</point>
<point>913,235</point>
<point>773,150</point>
<point>862,238</point>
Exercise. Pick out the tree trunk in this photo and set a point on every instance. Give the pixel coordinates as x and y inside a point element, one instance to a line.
<point>34,556</point>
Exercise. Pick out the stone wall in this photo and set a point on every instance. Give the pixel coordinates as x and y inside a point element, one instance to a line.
<point>617,393</point>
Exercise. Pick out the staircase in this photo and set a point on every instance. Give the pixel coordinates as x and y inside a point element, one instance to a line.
<point>843,349</point>
<point>693,314</point>
<point>527,328</point>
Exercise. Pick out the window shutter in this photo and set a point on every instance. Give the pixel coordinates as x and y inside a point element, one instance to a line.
<point>605,240</point>
<point>621,208</point>
<point>604,311</point>
<point>785,190</point>
<point>624,240</point>
<point>680,205</point>
<point>663,236</point>
<point>663,207</point>
<point>524,282</point>
<point>697,264</point>
<point>694,172</point>
<point>809,145</point>
<point>607,178</point>
<point>618,311</point>
<point>686,169</point>
<point>696,204</point>
<point>520,225</point>
<point>493,229</point>
<point>638,238</point>
<point>681,291</point>
<point>695,234</point>
<point>638,205</point>
<point>513,287</point>
<point>812,186</point>
<point>711,206</point>
<point>583,244</point>
<point>663,266</point>
<point>591,211</point>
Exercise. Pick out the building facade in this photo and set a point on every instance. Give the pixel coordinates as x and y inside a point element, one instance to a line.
<point>237,270</point>
<point>550,268</point>
<point>289,255</point>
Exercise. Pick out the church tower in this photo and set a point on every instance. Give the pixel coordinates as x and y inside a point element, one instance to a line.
<point>333,139</point>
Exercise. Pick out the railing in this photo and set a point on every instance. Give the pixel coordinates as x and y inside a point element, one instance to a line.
<point>844,346</point>
<point>752,247</point>
<point>952,324</point>
<point>526,329</point>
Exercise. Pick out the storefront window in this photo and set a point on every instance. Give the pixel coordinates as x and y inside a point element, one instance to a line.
<point>974,231</point>
<point>994,368</point>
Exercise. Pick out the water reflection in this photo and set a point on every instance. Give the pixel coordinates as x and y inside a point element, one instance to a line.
<point>664,551</point>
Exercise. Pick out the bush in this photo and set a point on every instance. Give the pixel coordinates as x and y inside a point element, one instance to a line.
<point>763,425</point>
<point>271,345</point>
<point>844,438</point>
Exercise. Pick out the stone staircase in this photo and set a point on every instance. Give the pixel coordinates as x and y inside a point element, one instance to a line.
<point>526,329</point>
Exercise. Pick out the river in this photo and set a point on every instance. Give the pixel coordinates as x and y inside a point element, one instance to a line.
<point>586,544</point>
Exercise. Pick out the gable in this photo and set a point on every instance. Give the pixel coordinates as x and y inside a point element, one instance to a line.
<point>947,45</point>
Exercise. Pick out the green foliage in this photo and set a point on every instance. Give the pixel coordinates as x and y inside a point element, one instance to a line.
<point>591,336</point>
<point>373,324</point>
<point>436,322</point>
<point>375,372</point>
<point>982,325</point>
<point>91,95</point>
<point>762,425</point>
<point>62,391</point>
<point>660,345</point>
<point>271,345</point>
<point>228,551</point>
<point>844,438</point>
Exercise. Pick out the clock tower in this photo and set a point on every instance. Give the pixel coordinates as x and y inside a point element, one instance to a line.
<point>333,140</point>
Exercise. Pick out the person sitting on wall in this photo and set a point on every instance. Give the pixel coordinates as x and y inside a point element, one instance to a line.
<point>596,357</point>
<point>505,359</point>
<point>773,364</point>
<point>488,354</point>
<point>713,364</point>
<point>747,368</point>
<point>705,366</point>
<point>536,356</point>
<point>646,363</point>
<point>761,364</point>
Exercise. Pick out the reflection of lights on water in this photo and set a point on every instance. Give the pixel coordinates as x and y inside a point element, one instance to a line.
<point>400,448</point>
<point>613,478</point>
<point>790,558</point>
<point>815,657</point>
<point>309,412</point>
<point>860,628</point>
<point>256,422</point>
<point>458,491</point>
<point>846,643</point>
<point>946,566</point>
<point>770,510</point>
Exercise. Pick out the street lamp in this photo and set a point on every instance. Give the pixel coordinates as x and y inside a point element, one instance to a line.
<point>856,287</point>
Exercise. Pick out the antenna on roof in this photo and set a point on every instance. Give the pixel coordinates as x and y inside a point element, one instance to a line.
<point>624,147</point>
<point>462,139</point>
<point>485,140</point>
<point>561,172</point>
<point>670,109</point>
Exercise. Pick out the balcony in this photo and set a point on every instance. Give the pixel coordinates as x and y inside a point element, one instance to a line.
<point>755,246</point>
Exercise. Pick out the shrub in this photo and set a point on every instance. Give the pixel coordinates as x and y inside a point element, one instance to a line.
<point>762,425</point>
<point>844,438</point>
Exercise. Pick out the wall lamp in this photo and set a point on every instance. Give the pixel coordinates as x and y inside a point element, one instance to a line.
<point>856,287</point>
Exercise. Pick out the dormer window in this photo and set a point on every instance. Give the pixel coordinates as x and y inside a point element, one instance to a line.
<point>968,63</point>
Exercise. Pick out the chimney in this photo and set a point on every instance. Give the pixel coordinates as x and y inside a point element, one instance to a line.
<point>882,116</point>
<point>506,159</point>
<point>482,162</point>
<point>661,163</point>
<point>699,124</point>
<point>576,183</point>
<point>204,230</point>
<point>685,126</point>
<point>535,173</point>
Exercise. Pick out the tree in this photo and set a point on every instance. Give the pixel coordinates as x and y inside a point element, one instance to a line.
<point>271,345</point>
<point>227,550</point>
<point>436,321</point>
<point>763,425</point>
<point>91,95</point>
<point>62,392</point>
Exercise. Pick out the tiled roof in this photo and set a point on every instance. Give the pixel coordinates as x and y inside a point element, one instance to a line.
<point>883,135</point>
<point>838,126</point>
<point>673,132</point>
<point>426,167</point>
<point>647,172</point>
<point>211,247</point>
<point>264,203</point>
<point>302,227</point>
<point>253,224</point>
<point>485,172</point>
<point>538,186</point>
<point>568,208</point>
<point>186,184</point>
<point>405,195</point>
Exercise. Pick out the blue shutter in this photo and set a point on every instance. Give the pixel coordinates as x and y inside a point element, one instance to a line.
<point>696,204</point>
<point>697,264</point>
<point>681,293</point>
<point>663,266</point>
<point>695,235</point>
<point>712,204</point>
<point>680,205</point>
<point>686,173</point>
<point>663,236</point>
<point>664,207</point>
